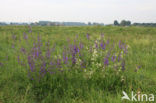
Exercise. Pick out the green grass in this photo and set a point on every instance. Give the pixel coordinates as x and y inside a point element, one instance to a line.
<point>75,86</point>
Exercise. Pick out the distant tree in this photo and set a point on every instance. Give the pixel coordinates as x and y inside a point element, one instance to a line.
<point>89,23</point>
<point>145,24</point>
<point>94,23</point>
<point>128,23</point>
<point>102,24</point>
<point>116,23</point>
<point>125,23</point>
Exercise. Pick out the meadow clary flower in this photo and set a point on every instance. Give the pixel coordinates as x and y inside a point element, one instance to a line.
<point>123,65</point>
<point>106,61</point>
<point>88,37</point>
<point>25,36</point>
<point>113,58</point>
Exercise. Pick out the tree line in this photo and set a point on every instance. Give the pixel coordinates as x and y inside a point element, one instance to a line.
<point>128,23</point>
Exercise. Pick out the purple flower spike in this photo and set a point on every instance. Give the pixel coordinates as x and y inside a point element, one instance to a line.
<point>73,58</point>
<point>76,49</point>
<point>48,53</point>
<point>1,64</point>
<point>107,41</point>
<point>81,45</point>
<point>37,52</point>
<point>59,63</point>
<point>125,49</point>
<point>137,68</point>
<point>103,46</point>
<point>31,63</point>
<point>18,59</point>
<point>23,50</point>
<point>13,46</point>
<point>65,59</point>
<point>113,58</point>
<point>96,45</point>
<point>106,61</point>
<point>25,36</point>
<point>123,65</point>
<point>43,69</point>
<point>87,36</point>
<point>83,64</point>
<point>119,57</point>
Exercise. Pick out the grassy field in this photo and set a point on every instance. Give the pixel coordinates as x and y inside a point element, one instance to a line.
<point>76,64</point>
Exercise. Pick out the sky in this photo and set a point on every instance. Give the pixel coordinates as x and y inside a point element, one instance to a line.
<point>102,11</point>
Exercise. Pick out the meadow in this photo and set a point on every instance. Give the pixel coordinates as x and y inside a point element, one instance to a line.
<point>90,64</point>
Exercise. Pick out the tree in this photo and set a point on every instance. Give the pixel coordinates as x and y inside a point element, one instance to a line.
<point>128,23</point>
<point>89,23</point>
<point>116,23</point>
<point>125,23</point>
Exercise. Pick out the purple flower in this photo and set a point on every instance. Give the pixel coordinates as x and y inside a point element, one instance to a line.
<point>108,53</point>
<point>96,45</point>
<point>103,45</point>
<point>120,46</point>
<point>87,36</point>
<point>51,63</point>
<point>125,49</point>
<point>13,46</point>
<point>65,58</point>
<point>43,69</point>
<point>107,41</point>
<point>23,50</point>
<point>37,52</point>
<point>83,65</point>
<point>18,58</point>
<point>48,53</point>
<point>106,61</point>
<point>31,63</point>
<point>76,49</point>
<point>113,58</point>
<point>59,63</point>
<point>25,36</point>
<point>137,68</point>
<point>1,64</point>
<point>119,57</point>
<point>73,58</point>
<point>123,65</point>
<point>81,45</point>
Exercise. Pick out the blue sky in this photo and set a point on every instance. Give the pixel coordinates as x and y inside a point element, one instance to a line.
<point>105,11</point>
